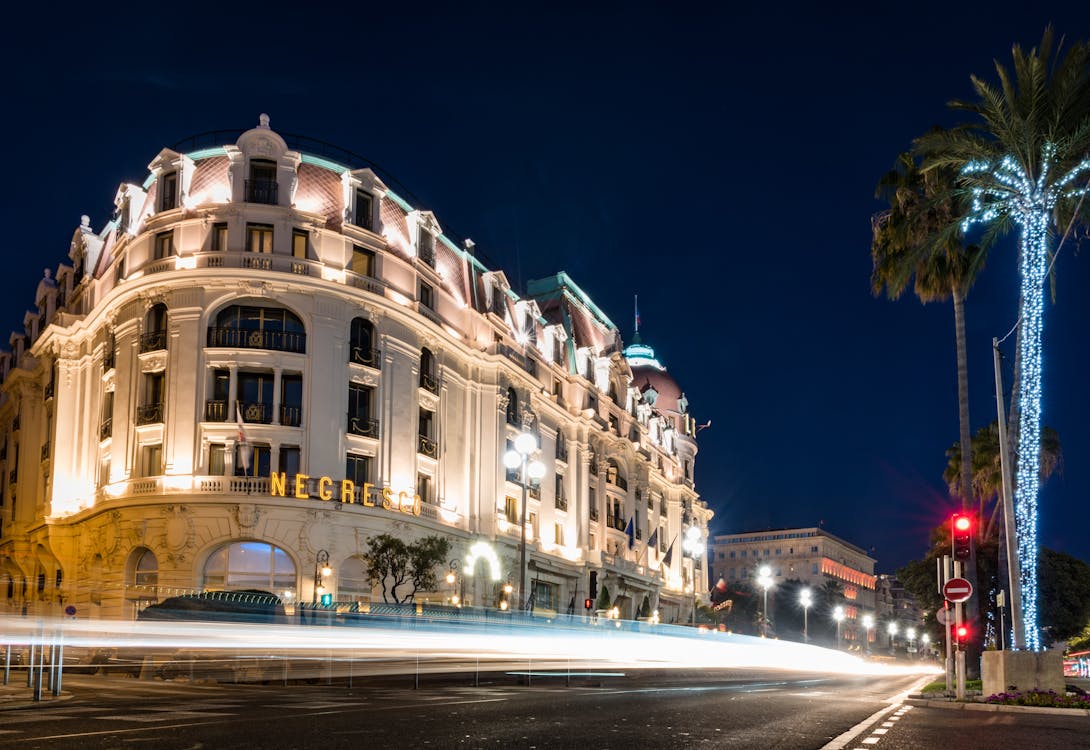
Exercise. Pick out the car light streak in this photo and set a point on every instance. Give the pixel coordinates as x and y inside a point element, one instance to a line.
<point>375,640</point>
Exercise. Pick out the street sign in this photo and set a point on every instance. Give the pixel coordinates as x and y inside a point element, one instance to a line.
<point>70,610</point>
<point>945,617</point>
<point>957,590</point>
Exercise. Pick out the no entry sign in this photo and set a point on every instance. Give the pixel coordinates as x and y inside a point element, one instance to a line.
<point>957,590</point>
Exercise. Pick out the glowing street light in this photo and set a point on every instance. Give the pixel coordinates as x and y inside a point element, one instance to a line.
<point>838,615</point>
<point>321,572</point>
<point>764,580</point>
<point>805,600</point>
<point>868,625</point>
<point>525,445</point>
<point>693,545</point>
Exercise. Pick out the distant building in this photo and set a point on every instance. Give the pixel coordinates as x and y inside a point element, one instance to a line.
<point>267,357</point>
<point>892,602</point>
<point>811,555</point>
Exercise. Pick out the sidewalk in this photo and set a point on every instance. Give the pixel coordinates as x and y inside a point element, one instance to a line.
<point>977,703</point>
<point>17,695</point>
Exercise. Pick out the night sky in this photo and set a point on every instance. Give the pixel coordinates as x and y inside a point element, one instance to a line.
<point>719,162</point>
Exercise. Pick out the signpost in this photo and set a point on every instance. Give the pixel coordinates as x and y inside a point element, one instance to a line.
<point>957,590</point>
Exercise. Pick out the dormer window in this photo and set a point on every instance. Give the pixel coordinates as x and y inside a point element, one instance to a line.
<point>261,186</point>
<point>365,203</point>
<point>426,247</point>
<point>168,191</point>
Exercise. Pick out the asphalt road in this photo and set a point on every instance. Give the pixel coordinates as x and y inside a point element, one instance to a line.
<point>641,710</point>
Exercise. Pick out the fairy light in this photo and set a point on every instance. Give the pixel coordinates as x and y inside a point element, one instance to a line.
<point>1006,189</point>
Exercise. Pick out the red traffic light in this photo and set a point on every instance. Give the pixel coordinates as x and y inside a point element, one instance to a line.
<point>587,604</point>
<point>961,533</point>
<point>962,523</point>
<point>962,632</point>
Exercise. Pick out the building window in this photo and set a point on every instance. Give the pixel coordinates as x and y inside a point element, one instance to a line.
<point>106,428</point>
<point>289,459</point>
<point>561,501</point>
<point>363,261</point>
<point>423,488</point>
<point>151,460</point>
<point>261,187</point>
<point>154,337</point>
<point>426,247</point>
<point>146,570</point>
<point>426,295</point>
<point>168,185</point>
<point>249,565</point>
<point>359,411</point>
<point>253,460</point>
<point>357,468</point>
<point>364,206</point>
<point>558,534</point>
<point>164,245</point>
<point>426,444</point>
<point>217,460</point>
<point>215,408</point>
<point>512,407</point>
<point>428,381</point>
<point>272,328</point>
<point>299,242</point>
<point>219,237</point>
<point>361,343</point>
<point>511,509</point>
<point>259,238</point>
<point>255,396</point>
<point>291,400</point>
<point>150,411</point>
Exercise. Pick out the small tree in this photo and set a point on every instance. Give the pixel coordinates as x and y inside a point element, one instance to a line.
<point>645,608</point>
<point>603,598</point>
<point>392,563</point>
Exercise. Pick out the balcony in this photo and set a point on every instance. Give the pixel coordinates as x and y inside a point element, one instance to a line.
<point>109,360</point>
<point>561,503</point>
<point>594,514</point>
<point>106,429</point>
<point>257,413</point>
<point>365,357</point>
<point>240,338</point>
<point>425,446</point>
<point>215,411</point>
<point>149,413</point>
<point>262,191</point>
<point>153,341</point>
<point>291,416</point>
<point>45,450</point>
<point>562,450</point>
<point>534,491</point>
<point>429,383</point>
<point>615,522</point>
<point>617,480</point>
<point>362,426</point>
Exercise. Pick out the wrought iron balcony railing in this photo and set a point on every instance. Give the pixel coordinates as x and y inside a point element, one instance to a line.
<point>291,416</point>
<point>241,338</point>
<point>425,446</point>
<point>153,341</point>
<point>215,411</point>
<point>429,383</point>
<point>262,191</point>
<point>362,426</point>
<point>365,357</point>
<point>106,429</point>
<point>149,413</point>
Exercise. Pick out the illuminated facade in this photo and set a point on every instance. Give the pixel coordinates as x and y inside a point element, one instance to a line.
<point>267,355</point>
<point>811,555</point>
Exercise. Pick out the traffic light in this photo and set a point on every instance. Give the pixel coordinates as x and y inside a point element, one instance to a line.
<point>327,600</point>
<point>961,635</point>
<point>961,530</point>
<point>588,603</point>
<point>593,590</point>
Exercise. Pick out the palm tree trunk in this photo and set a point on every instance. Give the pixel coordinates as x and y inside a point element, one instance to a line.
<point>963,401</point>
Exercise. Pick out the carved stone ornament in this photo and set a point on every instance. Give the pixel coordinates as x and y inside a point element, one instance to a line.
<point>247,515</point>
<point>261,147</point>
<point>108,534</point>
<point>365,378</point>
<point>317,532</point>
<point>153,361</point>
<point>179,528</point>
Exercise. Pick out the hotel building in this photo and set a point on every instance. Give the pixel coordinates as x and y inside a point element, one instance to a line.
<point>267,356</point>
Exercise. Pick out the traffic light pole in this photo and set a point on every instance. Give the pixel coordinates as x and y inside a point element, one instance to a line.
<point>944,576</point>
<point>959,655</point>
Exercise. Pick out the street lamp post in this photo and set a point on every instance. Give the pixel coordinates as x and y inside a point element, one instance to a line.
<point>892,634</point>
<point>764,580</point>
<point>693,545</point>
<point>321,571</point>
<point>868,623</point>
<point>910,634</point>
<point>525,444</point>
<point>452,574</point>
<point>838,615</point>
<point>806,601</point>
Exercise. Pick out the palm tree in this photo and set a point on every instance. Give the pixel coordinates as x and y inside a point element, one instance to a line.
<point>910,244</point>
<point>1021,162</point>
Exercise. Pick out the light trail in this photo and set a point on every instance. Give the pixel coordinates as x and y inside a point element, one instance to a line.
<point>377,642</point>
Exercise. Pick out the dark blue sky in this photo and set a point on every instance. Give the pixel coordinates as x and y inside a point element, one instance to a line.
<point>719,162</point>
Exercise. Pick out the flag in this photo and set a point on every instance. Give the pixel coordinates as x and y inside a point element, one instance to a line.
<point>669,553</point>
<point>653,540</point>
<point>244,447</point>
<point>631,531</point>
<point>636,309</point>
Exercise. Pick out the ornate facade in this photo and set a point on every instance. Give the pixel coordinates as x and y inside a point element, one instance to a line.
<point>267,356</point>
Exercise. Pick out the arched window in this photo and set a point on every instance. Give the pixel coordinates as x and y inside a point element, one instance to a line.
<point>146,570</point>
<point>361,345</point>
<point>428,380</point>
<point>251,327</point>
<point>250,565</point>
<point>512,407</point>
<point>614,475</point>
<point>154,336</point>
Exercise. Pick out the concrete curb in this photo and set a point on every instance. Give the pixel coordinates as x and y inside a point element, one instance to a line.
<point>997,707</point>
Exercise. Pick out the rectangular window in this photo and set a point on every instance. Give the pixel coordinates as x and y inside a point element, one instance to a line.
<point>299,242</point>
<point>511,509</point>
<point>364,207</point>
<point>291,400</point>
<point>359,411</point>
<point>426,247</point>
<point>151,460</point>
<point>559,488</point>
<point>168,196</point>
<point>426,296</point>
<point>164,245</point>
<point>104,469</point>
<point>558,534</point>
<point>363,261</point>
<point>217,459</point>
<point>259,238</point>
<point>357,468</point>
<point>255,396</point>
<point>289,459</point>
<point>258,457</point>
<point>219,237</point>
<point>423,488</point>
